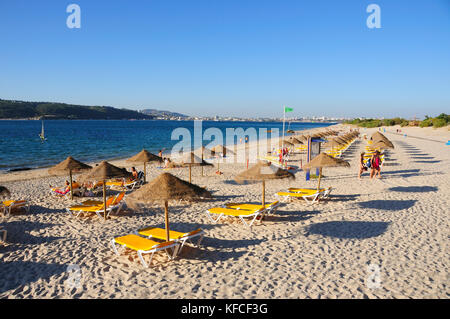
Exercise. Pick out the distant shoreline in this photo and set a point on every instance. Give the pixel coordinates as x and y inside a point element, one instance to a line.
<point>182,120</point>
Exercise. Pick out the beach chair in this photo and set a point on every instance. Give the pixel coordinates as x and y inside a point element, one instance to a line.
<point>311,196</point>
<point>126,184</point>
<point>7,206</point>
<point>117,202</point>
<point>240,213</point>
<point>76,188</point>
<point>270,208</point>
<point>76,210</point>
<point>160,233</point>
<point>144,246</point>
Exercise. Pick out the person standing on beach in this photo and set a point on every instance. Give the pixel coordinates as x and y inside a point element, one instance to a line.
<point>375,165</point>
<point>362,165</point>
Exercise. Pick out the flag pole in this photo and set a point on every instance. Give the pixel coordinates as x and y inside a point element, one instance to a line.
<point>282,142</point>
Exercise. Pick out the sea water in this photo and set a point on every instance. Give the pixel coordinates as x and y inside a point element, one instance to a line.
<point>96,140</point>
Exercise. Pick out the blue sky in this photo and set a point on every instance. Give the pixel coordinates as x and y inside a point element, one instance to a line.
<point>233,57</point>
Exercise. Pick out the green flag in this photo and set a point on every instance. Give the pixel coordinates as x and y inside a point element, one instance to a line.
<point>288,109</point>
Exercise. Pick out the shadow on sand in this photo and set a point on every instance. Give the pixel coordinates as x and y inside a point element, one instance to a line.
<point>348,229</point>
<point>28,273</point>
<point>414,189</point>
<point>389,205</point>
<point>428,162</point>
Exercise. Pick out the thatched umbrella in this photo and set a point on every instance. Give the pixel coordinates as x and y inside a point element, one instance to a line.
<point>144,156</point>
<point>295,140</point>
<point>324,160</point>
<point>4,191</point>
<point>69,165</point>
<point>286,142</point>
<point>332,144</point>
<point>103,172</point>
<point>166,187</point>
<point>382,144</point>
<point>340,140</point>
<point>377,135</point>
<point>263,171</point>
<point>302,138</point>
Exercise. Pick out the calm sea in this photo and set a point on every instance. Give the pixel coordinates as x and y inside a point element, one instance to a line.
<point>95,140</point>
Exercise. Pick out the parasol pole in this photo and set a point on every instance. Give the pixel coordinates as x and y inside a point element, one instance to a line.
<point>166,216</point>
<point>263,193</point>
<point>284,119</point>
<point>190,173</point>
<point>320,174</point>
<point>104,199</point>
<point>145,172</point>
<point>71,189</point>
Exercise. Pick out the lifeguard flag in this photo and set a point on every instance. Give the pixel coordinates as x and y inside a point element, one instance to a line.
<point>288,109</point>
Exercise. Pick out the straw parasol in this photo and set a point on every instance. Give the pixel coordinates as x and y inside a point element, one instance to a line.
<point>166,187</point>
<point>377,135</point>
<point>263,171</point>
<point>340,140</point>
<point>332,144</point>
<point>103,172</point>
<point>324,160</point>
<point>295,140</point>
<point>144,156</point>
<point>286,142</point>
<point>382,144</point>
<point>69,165</point>
<point>4,191</point>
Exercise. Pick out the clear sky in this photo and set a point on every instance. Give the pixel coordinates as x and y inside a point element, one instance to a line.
<point>231,57</point>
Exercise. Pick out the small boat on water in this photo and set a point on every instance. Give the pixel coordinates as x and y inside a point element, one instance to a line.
<point>42,134</point>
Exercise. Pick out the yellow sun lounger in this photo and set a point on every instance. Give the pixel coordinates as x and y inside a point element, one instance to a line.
<point>8,206</point>
<point>324,192</point>
<point>270,208</point>
<point>311,197</point>
<point>92,202</point>
<point>241,213</point>
<point>160,233</point>
<point>76,210</point>
<point>144,246</point>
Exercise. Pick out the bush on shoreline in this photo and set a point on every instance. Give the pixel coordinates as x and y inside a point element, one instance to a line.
<point>438,121</point>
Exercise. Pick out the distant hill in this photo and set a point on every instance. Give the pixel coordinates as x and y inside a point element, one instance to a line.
<point>158,113</point>
<point>21,110</point>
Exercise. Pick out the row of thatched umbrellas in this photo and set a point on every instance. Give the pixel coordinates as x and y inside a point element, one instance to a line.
<point>168,187</point>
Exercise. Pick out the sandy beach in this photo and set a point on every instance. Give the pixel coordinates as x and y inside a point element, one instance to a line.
<point>395,228</point>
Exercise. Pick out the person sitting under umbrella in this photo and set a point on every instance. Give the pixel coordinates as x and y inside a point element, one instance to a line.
<point>66,189</point>
<point>134,172</point>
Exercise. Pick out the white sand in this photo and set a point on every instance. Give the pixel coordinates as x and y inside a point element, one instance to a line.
<point>399,223</point>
